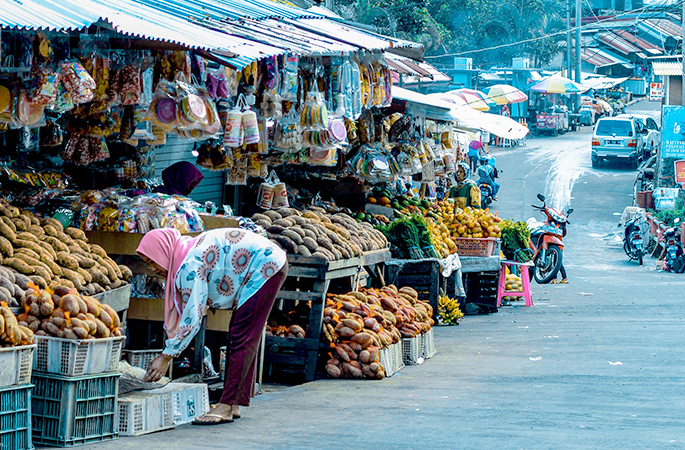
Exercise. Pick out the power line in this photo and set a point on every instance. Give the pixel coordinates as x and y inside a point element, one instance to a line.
<point>539,38</point>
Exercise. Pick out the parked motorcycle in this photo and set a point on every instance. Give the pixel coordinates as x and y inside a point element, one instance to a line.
<point>632,241</point>
<point>674,260</point>
<point>487,169</point>
<point>485,195</point>
<point>546,242</point>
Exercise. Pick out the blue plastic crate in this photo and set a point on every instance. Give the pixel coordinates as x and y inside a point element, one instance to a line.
<point>15,418</point>
<point>70,411</point>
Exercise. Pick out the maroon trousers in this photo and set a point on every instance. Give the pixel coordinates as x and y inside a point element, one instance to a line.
<point>247,326</point>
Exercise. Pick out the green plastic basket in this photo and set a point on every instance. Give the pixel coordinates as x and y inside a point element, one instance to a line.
<point>70,411</point>
<point>15,418</point>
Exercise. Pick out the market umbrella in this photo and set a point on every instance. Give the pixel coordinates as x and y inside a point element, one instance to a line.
<point>558,85</point>
<point>504,94</point>
<point>475,99</point>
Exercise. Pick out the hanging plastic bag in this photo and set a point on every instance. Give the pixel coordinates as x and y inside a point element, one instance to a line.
<point>290,79</point>
<point>250,127</point>
<point>234,124</point>
<point>265,196</point>
<point>43,86</point>
<point>280,196</point>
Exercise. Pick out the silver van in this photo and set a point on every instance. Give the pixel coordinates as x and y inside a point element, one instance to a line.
<point>617,138</point>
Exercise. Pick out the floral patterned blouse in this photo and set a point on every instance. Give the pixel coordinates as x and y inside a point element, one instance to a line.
<point>223,270</point>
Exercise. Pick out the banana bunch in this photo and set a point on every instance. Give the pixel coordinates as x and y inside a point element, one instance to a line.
<point>448,310</point>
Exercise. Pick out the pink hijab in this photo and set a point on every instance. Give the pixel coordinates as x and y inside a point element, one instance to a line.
<point>168,248</point>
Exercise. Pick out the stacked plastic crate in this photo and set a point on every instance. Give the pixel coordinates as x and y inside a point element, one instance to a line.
<point>15,397</point>
<point>75,391</point>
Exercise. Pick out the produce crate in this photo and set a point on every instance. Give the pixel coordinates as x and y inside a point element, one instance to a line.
<point>397,356</point>
<point>15,418</point>
<point>68,411</point>
<point>424,275</point>
<point>387,360</point>
<point>189,400</point>
<point>145,412</point>
<point>15,366</point>
<point>411,350</point>
<point>76,358</point>
<point>428,344</point>
<point>475,246</point>
<point>140,358</point>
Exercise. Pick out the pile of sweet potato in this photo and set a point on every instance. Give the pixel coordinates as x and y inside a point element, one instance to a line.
<point>360,323</point>
<point>65,313</point>
<point>12,333</point>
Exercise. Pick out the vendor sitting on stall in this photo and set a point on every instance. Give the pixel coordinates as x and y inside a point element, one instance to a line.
<point>465,192</point>
<point>180,179</point>
<point>227,268</point>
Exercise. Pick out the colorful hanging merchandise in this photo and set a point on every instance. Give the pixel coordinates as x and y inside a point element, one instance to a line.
<point>242,126</point>
<point>83,150</point>
<point>350,96</point>
<point>77,81</point>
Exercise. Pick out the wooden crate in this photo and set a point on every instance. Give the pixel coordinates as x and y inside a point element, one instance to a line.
<point>309,280</point>
<point>422,274</point>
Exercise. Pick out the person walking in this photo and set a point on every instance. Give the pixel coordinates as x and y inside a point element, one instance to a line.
<point>475,147</point>
<point>230,269</point>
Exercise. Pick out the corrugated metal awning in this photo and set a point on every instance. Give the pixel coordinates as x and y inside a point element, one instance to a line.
<point>668,68</point>
<point>127,17</point>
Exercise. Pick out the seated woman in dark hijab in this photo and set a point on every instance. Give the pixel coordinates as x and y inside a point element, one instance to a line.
<point>180,179</point>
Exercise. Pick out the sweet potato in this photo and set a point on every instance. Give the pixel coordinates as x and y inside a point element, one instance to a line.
<point>333,371</point>
<point>70,303</point>
<point>116,322</point>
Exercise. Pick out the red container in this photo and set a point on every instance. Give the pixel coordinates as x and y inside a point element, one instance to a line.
<point>644,199</point>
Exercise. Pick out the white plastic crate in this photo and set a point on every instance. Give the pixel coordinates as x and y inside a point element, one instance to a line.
<point>145,412</point>
<point>15,365</point>
<point>428,346</point>
<point>397,358</point>
<point>411,351</point>
<point>386,360</point>
<point>189,400</point>
<point>140,358</point>
<point>76,358</point>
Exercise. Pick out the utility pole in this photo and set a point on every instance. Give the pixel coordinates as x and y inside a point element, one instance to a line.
<point>578,58</point>
<point>568,38</point>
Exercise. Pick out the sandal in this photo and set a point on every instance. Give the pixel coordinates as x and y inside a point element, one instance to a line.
<point>564,281</point>
<point>554,281</point>
<point>219,422</point>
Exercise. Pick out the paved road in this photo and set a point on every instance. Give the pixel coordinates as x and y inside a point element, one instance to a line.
<point>596,364</point>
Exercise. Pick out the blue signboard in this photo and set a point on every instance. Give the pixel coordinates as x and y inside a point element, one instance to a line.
<point>673,132</point>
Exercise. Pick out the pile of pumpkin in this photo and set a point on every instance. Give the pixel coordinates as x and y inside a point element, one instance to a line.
<point>50,255</point>
<point>360,323</point>
<point>65,313</point>
<point>316,233</point>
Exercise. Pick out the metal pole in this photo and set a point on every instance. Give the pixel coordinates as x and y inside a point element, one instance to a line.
<point>568,37</point>
<point>578,58</point>
<point>682,53</point>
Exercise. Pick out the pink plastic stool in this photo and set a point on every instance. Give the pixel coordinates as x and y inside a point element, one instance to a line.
<point>525,281</point>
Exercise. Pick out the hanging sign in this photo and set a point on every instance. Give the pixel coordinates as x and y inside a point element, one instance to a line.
<point>673,132</point>
<point>680,171</point>
<point>656,92</point>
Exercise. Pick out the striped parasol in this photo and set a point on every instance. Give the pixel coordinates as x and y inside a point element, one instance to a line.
<point>475,99</point>
<point>558,85</point>
<point>504,94</point>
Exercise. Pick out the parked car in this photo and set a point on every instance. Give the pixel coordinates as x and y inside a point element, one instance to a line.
<point>618,138</point>
<point>653,138</point>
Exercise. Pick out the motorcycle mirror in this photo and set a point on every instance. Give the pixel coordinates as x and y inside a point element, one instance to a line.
<point>541,197</point>
<point>570,210</point>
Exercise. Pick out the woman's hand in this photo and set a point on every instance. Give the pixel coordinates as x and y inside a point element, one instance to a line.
<point>157,368</point>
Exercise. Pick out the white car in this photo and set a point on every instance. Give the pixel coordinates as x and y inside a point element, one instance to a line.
<point>653,139</point>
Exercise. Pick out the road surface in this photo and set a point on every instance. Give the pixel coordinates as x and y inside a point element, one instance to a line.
<point>595,364</point>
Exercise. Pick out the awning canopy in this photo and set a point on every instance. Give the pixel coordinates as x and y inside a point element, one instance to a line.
<point>501,126</point>
<point>668,68</point>
<point>422,105</point>
<point>595,82</point>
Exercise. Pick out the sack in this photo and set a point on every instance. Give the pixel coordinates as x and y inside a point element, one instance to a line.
<point>280,196</point>
<point>265,196</point>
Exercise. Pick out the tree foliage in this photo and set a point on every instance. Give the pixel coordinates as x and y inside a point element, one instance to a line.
<point>456,26</point>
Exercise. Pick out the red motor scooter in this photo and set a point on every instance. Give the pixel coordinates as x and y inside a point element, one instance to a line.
<point>546,242</point>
